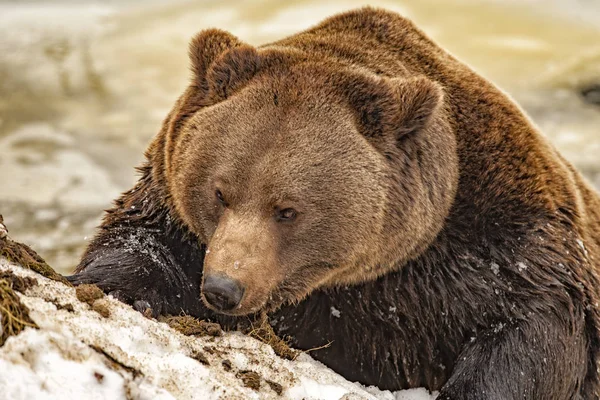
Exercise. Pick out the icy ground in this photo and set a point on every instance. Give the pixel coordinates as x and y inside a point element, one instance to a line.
<point>79,354</point>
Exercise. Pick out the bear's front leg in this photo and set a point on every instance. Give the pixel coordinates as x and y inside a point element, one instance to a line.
<point>542,357</point>
<point>141,257</point>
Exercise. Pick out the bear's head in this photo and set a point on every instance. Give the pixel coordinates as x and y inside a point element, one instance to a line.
<point>300,173</point>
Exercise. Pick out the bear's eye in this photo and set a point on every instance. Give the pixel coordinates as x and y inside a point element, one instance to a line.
<point>286,215</point>
<point>220,197</point>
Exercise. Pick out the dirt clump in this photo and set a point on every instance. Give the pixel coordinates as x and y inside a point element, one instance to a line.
<point>67,306</point>
<point>250,379</point>
<point>276,387</point>
<point>226,365</point>
<point>93,296</point>
<point>191,326</point>
<point>87,293</point>
<point>101,307</point>
<point>99,377</point>
<point>199,356</point>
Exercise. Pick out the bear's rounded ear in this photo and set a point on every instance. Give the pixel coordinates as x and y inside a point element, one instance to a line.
<point>206,47</point>
<point>396,106</point>
<point>221,63</point>
<point>417,101</point>
<point>232,70</point>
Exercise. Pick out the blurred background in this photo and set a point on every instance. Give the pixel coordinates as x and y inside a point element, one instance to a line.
<point>84,86</point>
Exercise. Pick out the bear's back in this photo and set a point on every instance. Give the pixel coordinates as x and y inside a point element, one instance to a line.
<point>498,146</point>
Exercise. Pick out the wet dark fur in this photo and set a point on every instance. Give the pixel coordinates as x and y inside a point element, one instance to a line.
<point>502,305</point>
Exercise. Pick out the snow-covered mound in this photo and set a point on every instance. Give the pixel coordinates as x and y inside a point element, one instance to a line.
<point>77,353</point>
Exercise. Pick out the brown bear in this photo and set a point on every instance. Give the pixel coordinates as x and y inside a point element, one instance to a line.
<point>370,191</point>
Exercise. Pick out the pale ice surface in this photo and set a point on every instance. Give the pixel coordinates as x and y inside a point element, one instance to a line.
<point>79,354</point>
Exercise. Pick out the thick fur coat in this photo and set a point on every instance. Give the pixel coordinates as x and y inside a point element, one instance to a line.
<point>370,191</point>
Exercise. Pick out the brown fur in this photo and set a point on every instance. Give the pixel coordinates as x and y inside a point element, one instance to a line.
<point>440,240</point>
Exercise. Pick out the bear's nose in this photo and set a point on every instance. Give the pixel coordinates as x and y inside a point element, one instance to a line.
<point>222,292</point>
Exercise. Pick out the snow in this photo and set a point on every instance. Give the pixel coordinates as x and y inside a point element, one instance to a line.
<point>413,394</point>
<point>309,388</point>
<point>335,312</point>
<point>44,363</point>
<point>582,245</point>
<point>80,354</point>
<point>495,268</point>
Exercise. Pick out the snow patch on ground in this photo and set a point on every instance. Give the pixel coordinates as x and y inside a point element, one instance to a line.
<point>80,354</point>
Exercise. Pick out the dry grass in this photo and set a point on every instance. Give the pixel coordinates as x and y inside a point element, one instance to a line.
<point>262,330</point>
<point>191,326</point>
<point>23,255</point>
<point>14,315</point>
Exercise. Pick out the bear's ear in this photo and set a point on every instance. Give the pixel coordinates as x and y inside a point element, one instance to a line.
<point>221,63</point>
<point>206,47</point>
<point>417,100</point>
<point>232,70</point>
<point>396,106</point>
